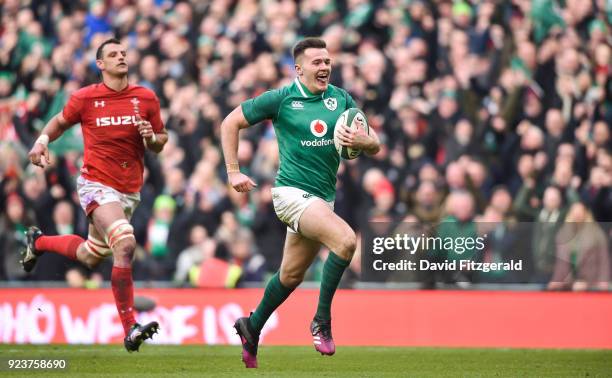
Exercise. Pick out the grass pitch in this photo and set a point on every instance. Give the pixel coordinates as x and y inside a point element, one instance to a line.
<point>274,361</point>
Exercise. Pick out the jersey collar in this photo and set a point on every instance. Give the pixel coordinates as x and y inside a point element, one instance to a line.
<point>305,91</point>
<point>114,91</point>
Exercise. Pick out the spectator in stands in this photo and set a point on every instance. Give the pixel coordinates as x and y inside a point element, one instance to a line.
<point>269,231</point>
<point>582,254</point>
<point>501,201</point>
<point>243,253</point>
<point>457,226</point>
<point>158,258</point>
<point>500,240</point>
<point>547,220</point>
<point>200,248</point>
<point>426,205</point>
<point>13,225</point>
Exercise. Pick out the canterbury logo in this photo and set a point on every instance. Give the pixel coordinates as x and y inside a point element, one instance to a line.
<point>116,121</point>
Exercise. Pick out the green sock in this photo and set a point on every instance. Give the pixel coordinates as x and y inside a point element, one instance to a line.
<point>332,273</point>
<point>274,295</point>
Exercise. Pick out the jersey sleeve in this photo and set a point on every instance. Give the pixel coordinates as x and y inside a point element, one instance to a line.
<point>155,116</point>
<point>264,106</point>
<point>72,109</point>
<point>350,103</point>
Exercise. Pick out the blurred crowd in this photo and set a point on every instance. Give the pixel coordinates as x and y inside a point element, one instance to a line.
<point>497,111</point>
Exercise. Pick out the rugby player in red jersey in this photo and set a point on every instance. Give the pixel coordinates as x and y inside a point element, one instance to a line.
<point>118,121</point>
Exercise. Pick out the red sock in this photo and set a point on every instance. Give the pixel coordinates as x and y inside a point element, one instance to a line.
<point>123,291</point>
<point>65,245</point>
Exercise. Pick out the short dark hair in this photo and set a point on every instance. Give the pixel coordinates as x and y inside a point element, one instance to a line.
<point>111,41</point>
<point>307,43</point>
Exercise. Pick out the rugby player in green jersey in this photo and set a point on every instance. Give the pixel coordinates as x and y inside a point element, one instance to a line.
<point>304,115</point>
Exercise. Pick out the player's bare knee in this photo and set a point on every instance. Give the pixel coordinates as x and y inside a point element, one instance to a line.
<point>123,251</point>
<point>347,245</point>
<point>122,260</point>
<point>125,247</point>
<point>291,279</point>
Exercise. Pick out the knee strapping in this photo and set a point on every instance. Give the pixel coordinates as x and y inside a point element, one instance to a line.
<point>117,231</point>
<point>97,247</point>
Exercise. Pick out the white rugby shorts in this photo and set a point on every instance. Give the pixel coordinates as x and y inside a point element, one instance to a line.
<point>93,194</point>
<point>289,204</point>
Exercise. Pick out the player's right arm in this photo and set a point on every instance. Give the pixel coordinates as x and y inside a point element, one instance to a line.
<point>250,112</point>
<point>55,128</point>
<point>52,130</point>
<point>230,128</point>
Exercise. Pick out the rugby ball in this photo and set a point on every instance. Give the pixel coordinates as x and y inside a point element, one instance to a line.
<point>354,119</point>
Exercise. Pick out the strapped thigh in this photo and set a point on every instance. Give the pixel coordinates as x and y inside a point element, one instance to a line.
<point>118,230</point>
<point>97,247</point>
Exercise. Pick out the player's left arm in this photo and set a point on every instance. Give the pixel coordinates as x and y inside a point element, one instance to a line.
<point>371,142</point>
<point>358,139</point>
<point>153,131</point>
<point>154,140</point>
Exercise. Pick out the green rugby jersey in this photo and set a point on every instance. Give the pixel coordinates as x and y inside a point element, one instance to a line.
<point>304,125</point>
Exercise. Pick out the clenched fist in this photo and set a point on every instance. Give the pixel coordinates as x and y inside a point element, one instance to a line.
<point>240,182</point>
<point>39,155</point>
<point>144,128</point>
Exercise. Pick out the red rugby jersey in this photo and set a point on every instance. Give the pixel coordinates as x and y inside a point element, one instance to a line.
<point>114,150</point>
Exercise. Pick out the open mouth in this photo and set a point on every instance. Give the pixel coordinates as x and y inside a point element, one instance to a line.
<point>122,65</point>
<point>323,78</point>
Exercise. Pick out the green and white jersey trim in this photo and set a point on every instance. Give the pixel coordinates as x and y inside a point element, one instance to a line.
<point>299,86</point>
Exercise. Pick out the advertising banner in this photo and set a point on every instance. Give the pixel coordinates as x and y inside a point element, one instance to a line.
<point>360,317</point>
